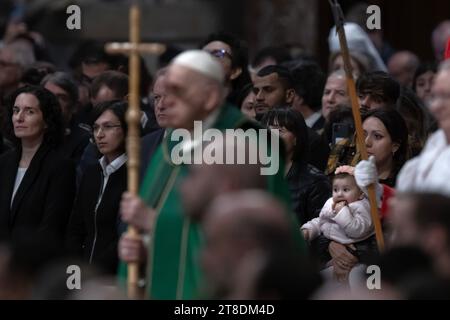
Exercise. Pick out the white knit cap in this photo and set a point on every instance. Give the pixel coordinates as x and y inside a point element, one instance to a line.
<point>202,62</point>
<point>357,40</point>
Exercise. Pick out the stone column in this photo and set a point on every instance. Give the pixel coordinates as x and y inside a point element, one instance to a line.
<point>278,22</point>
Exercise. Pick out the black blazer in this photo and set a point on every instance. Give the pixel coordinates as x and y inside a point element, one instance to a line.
<point>41,208</point>
<point>87,225</point>
<point>309,189</point>
<point>74,144</point>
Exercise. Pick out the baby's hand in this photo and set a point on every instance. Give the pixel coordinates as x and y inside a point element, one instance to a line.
<point>305,234</point>
<point>338,206</point>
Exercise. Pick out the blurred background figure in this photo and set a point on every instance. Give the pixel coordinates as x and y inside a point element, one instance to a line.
<point>244,233</point>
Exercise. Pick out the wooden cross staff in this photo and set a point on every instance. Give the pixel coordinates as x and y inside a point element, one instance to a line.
<point>133,49</point>
<point>339,21</point>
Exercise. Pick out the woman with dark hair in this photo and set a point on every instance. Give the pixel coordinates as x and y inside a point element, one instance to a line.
<point>309,187</point>
<point>414,113</point>
<point>37,184</point>
<point>422,83</point>
<point>386,138</point>
<point>94,225</point>
<point>423,80</point>
<point>246,101</point>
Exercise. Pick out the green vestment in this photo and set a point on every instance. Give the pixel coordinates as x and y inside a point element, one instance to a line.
<point>173,268</point>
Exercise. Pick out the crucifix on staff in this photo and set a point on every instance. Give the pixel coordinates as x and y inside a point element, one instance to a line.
<point>133,49</point>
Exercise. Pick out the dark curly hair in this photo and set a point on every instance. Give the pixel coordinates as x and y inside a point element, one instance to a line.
<point>51,112</point>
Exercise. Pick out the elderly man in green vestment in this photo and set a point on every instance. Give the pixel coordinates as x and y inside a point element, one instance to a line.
<point>195,92</point>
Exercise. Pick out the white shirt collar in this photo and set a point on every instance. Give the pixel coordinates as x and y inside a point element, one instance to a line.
<point>313,118</point>
<point>115,165</point>
<point>144,120</point>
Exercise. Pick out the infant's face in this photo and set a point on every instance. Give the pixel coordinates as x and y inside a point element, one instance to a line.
<point>345,189</point>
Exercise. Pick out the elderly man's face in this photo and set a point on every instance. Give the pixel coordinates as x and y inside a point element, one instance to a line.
<point>159,96</point>
<point>440,99</point>
<point>9,70</point>
<point>334,94</point>
<point>186,96</point>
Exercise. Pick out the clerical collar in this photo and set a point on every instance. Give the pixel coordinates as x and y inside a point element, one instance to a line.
<point>115,165</point>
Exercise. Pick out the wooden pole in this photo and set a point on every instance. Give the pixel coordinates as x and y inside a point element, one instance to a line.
<point>339,20</point>
<point>133,116</point>
<point>133,139</point>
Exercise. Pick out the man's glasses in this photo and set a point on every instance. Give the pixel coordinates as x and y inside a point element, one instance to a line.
<point>105,128</point>
<point>220,53</point>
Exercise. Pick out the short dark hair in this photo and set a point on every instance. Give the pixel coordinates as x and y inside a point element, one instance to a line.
<point>239,50</point>
<point>239,58</point>
<point>379,83</point>
<point>283,74</point>
<point>398,131</point>
<point>51,112</point>
<point>421,69</point>
<point>340,114</point>
<point>34,74</point>
<point>114,80</point>
<point>118,107</point>
<point>293,121</point>
<point>279,54</point>
<point>432,209</point>
<point>309,83</point>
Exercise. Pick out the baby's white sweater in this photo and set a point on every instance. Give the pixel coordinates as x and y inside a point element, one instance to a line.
<point>351,224</point>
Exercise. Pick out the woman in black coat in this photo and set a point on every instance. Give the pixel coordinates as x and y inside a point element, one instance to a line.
<point>94,227</point>
<point>37,184</point>
<point>309,188</point>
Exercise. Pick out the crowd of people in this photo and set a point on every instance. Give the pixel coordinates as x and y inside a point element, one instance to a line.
<point>215,230</point>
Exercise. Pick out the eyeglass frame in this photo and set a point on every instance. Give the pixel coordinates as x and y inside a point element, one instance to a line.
<point>220,53</point>
<point>105,128</point>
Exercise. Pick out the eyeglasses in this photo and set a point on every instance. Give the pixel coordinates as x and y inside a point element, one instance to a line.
<point>220,53</point>
<point>105,128</point>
